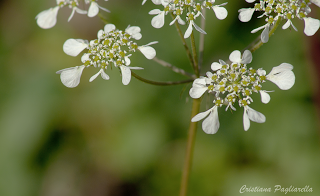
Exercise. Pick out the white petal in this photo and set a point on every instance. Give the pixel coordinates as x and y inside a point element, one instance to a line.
<point>127,60</point>
<point>255,116</point>
<point>188,31</point>
<point>258,29</point>
<point>73,47</point>
<point>215,66</point>
<point>135,68</point>
<point>71,15</point>
<point>261,72</point>
<point>245,14</point>
<point>250,1</point>
<point>80,11</point>
<point>155,12</point>
<point>197,91</point>
<point>316,2</point>
<point>157,2</point>
<point>265,97</point>
<point>311,26</point>
<point>221,12</point>
<point>235,56</point>
<point>246,121</point>
<point>109,27</point>
<point>104,75</point>
<point>95,76</point>
<point>104,9</point>
<point>143,2</point>
<point>200,116</point>
<point>126,74</point>
<point>147,51</point>
<point>265,35</point>
<point>246,57</point>
<point>286,25</point>
<point>180,21</point>
<point>198,28</point>
<point>93,9</point>
<point>158,21</point>
<point>281,68</point>
<point>284,80</point>
<point>47,18</point>
<point>211,124</point>
<point>71,77</point>
<point>85,57</point>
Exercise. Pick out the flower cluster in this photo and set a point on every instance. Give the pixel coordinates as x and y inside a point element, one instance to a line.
<point>48,18</point>
<point>113,47</point>
<point>191,8</point>
<point>275,10</point>
<point>235,83</point>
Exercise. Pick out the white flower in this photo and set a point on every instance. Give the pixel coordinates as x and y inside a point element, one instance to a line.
<point>73,47</point>
<point>245,14</point>
<point>282,76</point>
<point>288,24</point>
<point>250,1</point>
<point>265,97</point>
<point>94,8</point>
<point>221,12</point>
<point>102,73</point>
<point>158,20</point>
<point>180,21</point>
<point>47,18</point>
<point>76,9</point>
<point>235,57</point>
<point>198,88</point>
<point>211,124</point>
<point>311,25</point>
<point>157,2</point>
<point>126,73</point>
<point>70,77</point>
<point>251,114</point>
<point>147,50</point>
<point>189,30</point>
<point>265,32</point>
<point>134,31</point>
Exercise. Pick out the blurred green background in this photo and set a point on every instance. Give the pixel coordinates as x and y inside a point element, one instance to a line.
<point>104,138</point>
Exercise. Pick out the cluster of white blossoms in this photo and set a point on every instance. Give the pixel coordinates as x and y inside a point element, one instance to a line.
<point>235,83</point>
<point>191,9</point>
<point>113,47</point>
<point>275,10</point>
<point>48,18</point>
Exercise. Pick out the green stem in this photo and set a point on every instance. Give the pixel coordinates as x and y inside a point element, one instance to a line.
<point>195,56</point>
<point>160,83</point>
<point>190,148</point>
<point>174,68</point>
<point>201,40</point>
<point>183,41</point>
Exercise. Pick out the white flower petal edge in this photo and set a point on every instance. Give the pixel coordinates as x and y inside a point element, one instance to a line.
<point>158,20</point>
<point>94,9</point>
<point>211,124</point>
<point>216,66</point>
<point>189,29</point>
<point>265,97</point>
<point>251,114</point>
<point>311,26</point>
<point>245,14</point>
<point>198,88</point>
<point>103,75</point>
<point>235,56</point>
<point>220,12</point>
<point>76,9</point>
<point>47,18</point>
<point>316,2</point>
<point>282,76</point>
<point>126,73</point>
<point>148,51</point>
<point>134,31</point>
<point>73,47</point>
<point>250,1</point>
<point>70,77</point>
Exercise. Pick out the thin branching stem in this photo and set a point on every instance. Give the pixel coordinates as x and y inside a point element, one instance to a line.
<point>169,83</point>
<point>195,56</point>
<point>174,68</point>
<point>201,40</point>
<point>186,47</point>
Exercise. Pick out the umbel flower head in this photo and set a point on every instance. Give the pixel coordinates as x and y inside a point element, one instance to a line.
<point>112,47</point>
<point>287,10</point>
<point>234,83</point>
<point>185,9</point>
<point>48,18</point>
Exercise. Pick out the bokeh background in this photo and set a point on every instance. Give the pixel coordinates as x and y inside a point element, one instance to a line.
<point>104,138</point>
